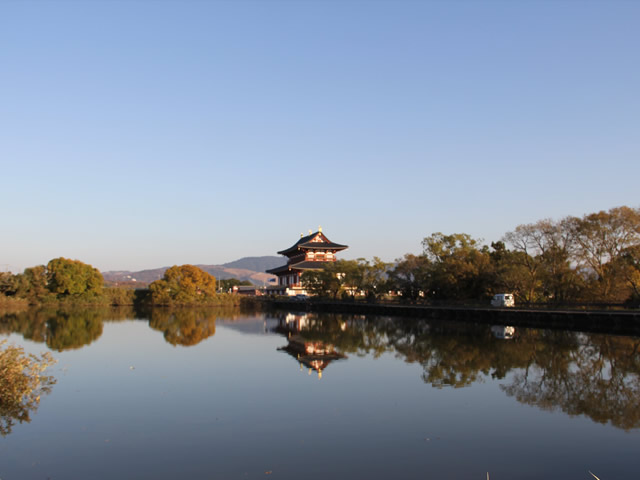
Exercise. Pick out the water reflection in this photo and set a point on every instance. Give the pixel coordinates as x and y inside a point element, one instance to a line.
<point>349,334</point>
<point>599,376</point>
<point>70,330</point>
<point>580,374</point>
<point>503,332</point>
<point>305,344</point>
<point>186,327</point>
<point>190,326</point>
<point>61,329</point>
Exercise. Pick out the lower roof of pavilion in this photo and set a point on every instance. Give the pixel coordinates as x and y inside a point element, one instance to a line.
<point>304,265</point>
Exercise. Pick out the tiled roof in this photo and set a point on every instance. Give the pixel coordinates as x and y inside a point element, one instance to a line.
<point>277,270</point>
<point>305,242</point>
<point>305,265</point>
<point>308,265</point>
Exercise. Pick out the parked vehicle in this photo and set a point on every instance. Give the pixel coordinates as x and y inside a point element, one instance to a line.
<point>503,300</point>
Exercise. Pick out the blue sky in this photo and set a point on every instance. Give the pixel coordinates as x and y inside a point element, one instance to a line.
<point>150,133</point>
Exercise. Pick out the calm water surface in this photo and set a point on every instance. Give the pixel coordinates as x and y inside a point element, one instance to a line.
<point>216,395</point>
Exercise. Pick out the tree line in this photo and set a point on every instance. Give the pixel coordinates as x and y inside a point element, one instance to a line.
<point>71,281</point>
<point>61,278</point>
<point>589,259</point>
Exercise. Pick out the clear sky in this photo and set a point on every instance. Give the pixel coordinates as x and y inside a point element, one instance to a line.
<point>139,134</point>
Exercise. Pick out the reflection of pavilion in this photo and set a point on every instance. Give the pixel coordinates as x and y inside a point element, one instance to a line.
<point>310,353</point>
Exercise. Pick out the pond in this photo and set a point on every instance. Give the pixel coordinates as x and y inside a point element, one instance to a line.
<point>208,394</point>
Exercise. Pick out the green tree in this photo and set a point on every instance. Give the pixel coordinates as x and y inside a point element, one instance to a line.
<point>410,276</point>
<point>511,273</point>
<point>72,277</point>
<point>183,284</point>
<point>331,278</point>
<point>371,278</point>
<point>460,267</point>
<point>228,283</point>
<point>32,284</point>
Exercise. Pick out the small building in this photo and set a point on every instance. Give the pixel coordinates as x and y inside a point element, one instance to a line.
<point>308,253</point>
<point>250,290</point>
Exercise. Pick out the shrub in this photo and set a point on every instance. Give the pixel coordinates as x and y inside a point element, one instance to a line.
<point>21,384</point>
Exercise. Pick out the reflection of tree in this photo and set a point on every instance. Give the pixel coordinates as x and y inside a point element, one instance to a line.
<point>185,326</point>
<point>70,330</point>
<point>600,379</point>
<point>31,324</point>
<point>581,374</point>
<point>60,329</point>
<point>21,385</point>
<point>458,355</point>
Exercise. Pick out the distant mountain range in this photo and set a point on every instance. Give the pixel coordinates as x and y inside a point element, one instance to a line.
<point>247,268</point>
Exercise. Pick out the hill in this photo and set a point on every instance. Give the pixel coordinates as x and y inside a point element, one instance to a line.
<point>257,264</point>
<point>248,268</point>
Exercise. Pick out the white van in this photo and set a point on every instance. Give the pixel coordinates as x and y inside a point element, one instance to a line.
<point>503,300</point>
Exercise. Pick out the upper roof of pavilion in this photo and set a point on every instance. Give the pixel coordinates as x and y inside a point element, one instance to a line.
<point>313,241</point>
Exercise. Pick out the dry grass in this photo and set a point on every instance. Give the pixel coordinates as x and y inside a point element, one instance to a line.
<point>21,384</point>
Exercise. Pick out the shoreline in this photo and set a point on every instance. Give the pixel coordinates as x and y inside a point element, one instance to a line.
<point>593,321</point>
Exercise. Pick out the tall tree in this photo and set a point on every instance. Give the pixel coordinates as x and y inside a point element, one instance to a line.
<point>332,278</point>
<point>372,278</point>
<point>511,273</point>
<point>530,242</point>
<point>602,238</point>
<point>72,277</point>
<point>546,249</point>
<point>460,267</point>
<point>410,276</point>
<point>183,284</point>
<point>630,267</point>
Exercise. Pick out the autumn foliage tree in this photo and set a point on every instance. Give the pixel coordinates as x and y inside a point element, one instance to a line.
<point>602,240</point>
<point>585,259</point>
<point>183,284</point>
<point>592,259</point>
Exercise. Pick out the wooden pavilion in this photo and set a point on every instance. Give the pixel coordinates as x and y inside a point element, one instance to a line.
<point>311,252</point>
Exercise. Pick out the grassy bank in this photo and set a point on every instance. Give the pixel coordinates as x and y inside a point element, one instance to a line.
<point>122,297</point>
<point>11,304</point>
